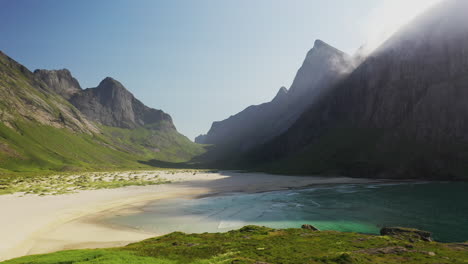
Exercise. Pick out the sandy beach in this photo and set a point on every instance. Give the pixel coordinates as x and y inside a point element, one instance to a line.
<point>33,224</point>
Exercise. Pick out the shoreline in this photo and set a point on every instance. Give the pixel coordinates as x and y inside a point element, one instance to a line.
<point>36,225</point>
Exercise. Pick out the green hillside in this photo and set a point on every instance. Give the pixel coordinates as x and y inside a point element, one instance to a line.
<point>41,132</point>
<point>34,147</point>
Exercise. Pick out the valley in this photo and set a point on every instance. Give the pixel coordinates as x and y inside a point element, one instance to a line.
<point>361,155</point>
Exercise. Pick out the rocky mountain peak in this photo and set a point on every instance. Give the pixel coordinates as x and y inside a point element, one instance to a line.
<point>322,64</point>
<point>320,44</point>
<point>283,90</point>
<point>111,104</point>
<point>111,91</point>
<point>282,93</point>
<point>60,81</point>
<point>321,51</point>
<point>109,81</point>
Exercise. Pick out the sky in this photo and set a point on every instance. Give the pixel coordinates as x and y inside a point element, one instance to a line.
<point>200,61</point>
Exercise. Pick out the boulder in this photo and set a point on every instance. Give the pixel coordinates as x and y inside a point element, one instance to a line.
<point>309,227</point>
<point>406,233</point>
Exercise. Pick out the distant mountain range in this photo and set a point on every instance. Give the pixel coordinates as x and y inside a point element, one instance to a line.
<point>48,122</point>
<point>399,113</point>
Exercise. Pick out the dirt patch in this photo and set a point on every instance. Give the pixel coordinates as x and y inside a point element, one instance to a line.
<point>7,150</point>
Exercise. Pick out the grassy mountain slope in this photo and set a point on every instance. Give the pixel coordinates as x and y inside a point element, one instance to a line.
<point>258,245</point>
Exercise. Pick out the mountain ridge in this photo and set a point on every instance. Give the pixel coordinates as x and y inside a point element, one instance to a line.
<point>322,66</point>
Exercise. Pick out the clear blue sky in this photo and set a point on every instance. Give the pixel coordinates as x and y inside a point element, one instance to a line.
<point>198,60</point>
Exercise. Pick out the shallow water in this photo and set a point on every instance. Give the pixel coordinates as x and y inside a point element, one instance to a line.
<point>441,208</point>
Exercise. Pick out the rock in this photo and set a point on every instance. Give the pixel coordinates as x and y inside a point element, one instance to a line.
<point>261,230</point>
<point>309,227</point>
<point>61,81</point>
<point>430,253</point>
<point>408,233</point>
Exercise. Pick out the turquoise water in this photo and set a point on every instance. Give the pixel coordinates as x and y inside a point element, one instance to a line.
<point>441,208</point>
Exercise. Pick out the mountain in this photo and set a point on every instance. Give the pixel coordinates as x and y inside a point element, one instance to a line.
<point>47,122</point>
<point>111,104</point>
<point>401,113</point>
<point>322,67</point>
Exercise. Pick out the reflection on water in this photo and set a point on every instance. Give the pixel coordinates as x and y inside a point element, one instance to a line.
<point>437,207</point>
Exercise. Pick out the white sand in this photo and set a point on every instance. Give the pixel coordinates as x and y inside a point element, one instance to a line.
<point>34,224</point>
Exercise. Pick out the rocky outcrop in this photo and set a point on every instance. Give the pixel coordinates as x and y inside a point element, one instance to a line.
<point>61,81</point>
<point>322,67</point>
<point>309,227</point>
<point>409,233</point>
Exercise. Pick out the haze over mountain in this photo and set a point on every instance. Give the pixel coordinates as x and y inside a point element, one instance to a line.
<point>401,113</point>
<point>322,67</point>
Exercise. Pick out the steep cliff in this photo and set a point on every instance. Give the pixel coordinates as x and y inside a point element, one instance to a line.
<point>401,113</point>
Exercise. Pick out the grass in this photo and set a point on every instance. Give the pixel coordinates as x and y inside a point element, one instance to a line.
<point>253,244</point>
<point>38,148</point>
<point>73,182</point>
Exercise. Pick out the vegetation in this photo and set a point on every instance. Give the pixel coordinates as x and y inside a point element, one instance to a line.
<point>253,244</point>
<point>31,147</point>
<point>69,183</point>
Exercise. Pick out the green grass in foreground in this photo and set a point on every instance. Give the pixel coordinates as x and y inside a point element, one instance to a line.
<point>263,245</point>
